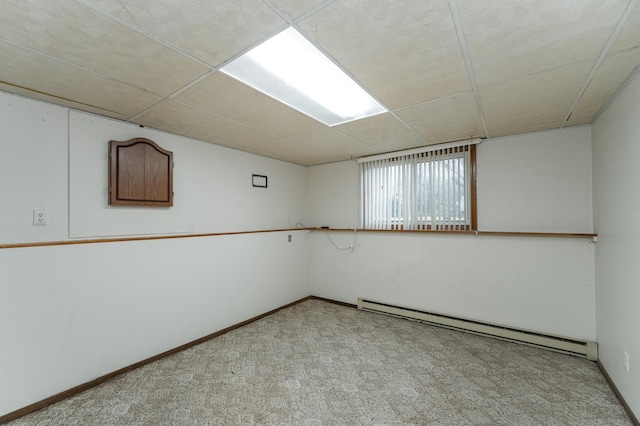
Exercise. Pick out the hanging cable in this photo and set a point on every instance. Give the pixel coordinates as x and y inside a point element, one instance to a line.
<point>351,247</point>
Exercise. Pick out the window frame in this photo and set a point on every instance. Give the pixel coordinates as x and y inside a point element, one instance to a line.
<point>470,171</point>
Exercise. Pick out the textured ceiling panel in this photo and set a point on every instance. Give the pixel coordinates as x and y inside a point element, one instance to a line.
<point>578,122</point>
<point>403,55</point>
<point>630,35</point>
<point>334,143</point>
<point>533,100</point>
<point>516,38</point>
<point>529,129</point>
<point>25,69</point>
<point>59,101</point>
<point>71,32</point>
<point>383,131</point>
<point>297,8</point>
<point>291,151</point>
<point>615,69</point>
<point>217,128</point>
<point>448,119</point>
<point>229,98</point>
<point>531,61</point>
<point>212,31</point>
<point>189,132</point>
<point>111,7</point>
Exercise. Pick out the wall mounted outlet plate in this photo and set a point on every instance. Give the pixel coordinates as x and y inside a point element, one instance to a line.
<point>40,218</point>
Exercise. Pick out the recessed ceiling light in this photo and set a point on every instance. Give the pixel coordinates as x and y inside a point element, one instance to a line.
<point>289,68</point>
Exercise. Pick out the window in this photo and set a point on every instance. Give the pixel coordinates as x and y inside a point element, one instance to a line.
<point>420,190</point>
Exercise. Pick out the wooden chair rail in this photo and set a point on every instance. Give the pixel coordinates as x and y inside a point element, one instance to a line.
<point>140,238</point>
<point>463,232</point>
<point>218,234</point>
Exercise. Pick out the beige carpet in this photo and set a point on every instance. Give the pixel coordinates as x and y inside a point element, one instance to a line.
<point>318,363</point>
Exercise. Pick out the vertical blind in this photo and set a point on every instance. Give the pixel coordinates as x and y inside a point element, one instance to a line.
<point>418,190</point>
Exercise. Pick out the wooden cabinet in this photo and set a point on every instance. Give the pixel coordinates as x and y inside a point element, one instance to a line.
<point>140,174</point>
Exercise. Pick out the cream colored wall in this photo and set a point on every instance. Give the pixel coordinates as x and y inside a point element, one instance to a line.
<point>616,155</point>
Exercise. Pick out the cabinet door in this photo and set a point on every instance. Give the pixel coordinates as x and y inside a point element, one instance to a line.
<point>140,174</point>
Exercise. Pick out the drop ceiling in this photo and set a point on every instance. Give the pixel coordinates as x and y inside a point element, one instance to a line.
<point>445,70</point>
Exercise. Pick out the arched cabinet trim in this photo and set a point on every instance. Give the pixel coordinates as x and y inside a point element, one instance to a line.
<point>140,174</point>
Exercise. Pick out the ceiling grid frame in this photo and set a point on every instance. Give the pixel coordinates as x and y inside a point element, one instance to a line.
<point>631,6</point>
<point>140,31</point>
<point>457,23</point>
<point>293,22</point>
<point>365,38</point>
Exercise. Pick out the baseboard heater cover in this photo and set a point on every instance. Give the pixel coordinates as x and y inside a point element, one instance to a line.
<point>584,348</point>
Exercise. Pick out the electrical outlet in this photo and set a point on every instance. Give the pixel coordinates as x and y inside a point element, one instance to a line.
<point>626,361</point>
<point>289,237</point>
<point>40,218</point>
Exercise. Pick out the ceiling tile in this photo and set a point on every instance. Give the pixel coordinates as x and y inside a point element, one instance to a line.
<point>229,98</point>
<point>297,8</point>
<point>539,98</point>
<point>614,71</point>
<point>59,101</point>
<point>113,8</point>
<point>383,131</point>
<point>212,31</point>
<point>448,119</point>
<point>629,37</point>
<point>189,132</point>
<point>227,132</point>
<point>119,58</point>
<point>291,151</point>
<point>578,122</point>
<point>71,32</point>
<point>87,89</point>
<point>403,54</point>
<point>511,39</point>
<point>334,143</point>
<point>529,129</point>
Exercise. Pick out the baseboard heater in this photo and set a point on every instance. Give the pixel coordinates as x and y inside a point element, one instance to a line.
<point>583,348</point>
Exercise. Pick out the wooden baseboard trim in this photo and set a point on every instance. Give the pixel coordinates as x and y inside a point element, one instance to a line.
<point>335,302</point>
<point>615,390</point>
<point>95,382</point>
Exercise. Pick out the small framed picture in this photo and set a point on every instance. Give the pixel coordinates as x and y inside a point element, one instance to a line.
<point>259,181</point>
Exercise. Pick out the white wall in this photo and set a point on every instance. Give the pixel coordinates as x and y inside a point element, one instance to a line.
<point>48,152</point>
<point>212,186</point>
<point>33,169</point>
<point>616,173</point>
<point>541,284</point>
<point>333,195</point>
<point>71,313</point>
<point>537,182</point>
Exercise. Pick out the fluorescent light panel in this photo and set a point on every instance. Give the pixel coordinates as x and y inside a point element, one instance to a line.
<point>289,68</point>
